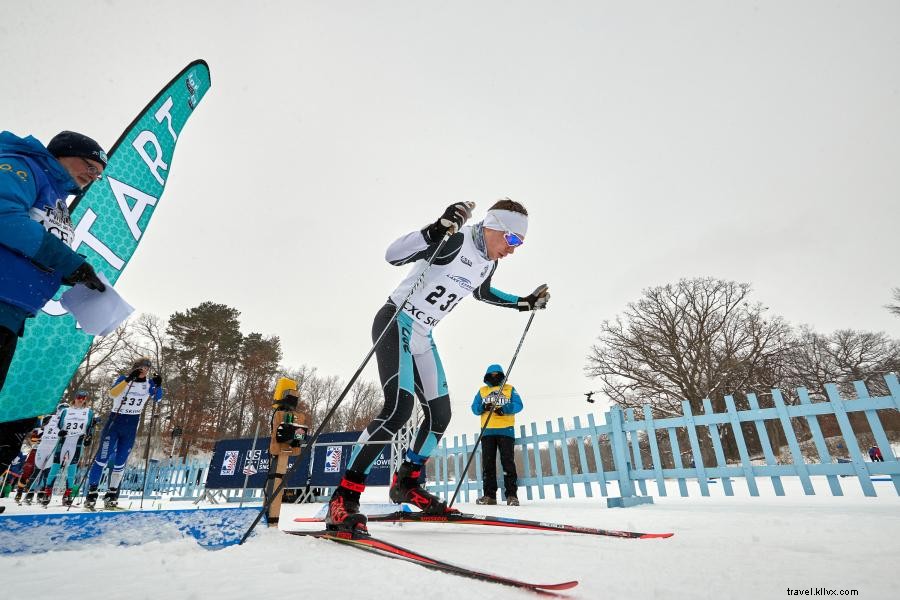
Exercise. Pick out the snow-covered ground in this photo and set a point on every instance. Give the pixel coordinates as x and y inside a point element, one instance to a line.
<point>738,547</point>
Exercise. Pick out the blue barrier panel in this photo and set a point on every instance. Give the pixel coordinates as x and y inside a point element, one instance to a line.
<point>234,459</point>
<point>332,454</point>
<point>212,528</point>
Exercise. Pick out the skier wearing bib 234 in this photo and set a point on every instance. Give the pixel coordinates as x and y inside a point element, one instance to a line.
<point>130,395</point>
<point>408,360</point>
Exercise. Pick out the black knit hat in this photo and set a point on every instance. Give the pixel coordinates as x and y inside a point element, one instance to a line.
<point>69,143</point>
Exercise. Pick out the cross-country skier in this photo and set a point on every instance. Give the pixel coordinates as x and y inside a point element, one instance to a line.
<point>130,394</point>
<point>35,233</point>
<point>43,456</point>
<point>75,424</point>
<point>408,360</point>
<point>29,448</point>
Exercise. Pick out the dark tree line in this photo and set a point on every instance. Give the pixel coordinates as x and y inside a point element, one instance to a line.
<point>218,382</point>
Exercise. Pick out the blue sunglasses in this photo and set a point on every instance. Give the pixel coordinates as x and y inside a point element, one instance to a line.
<point>513,240</point>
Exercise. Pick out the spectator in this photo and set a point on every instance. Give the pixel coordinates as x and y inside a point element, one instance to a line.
<point>875,454</point>
<point>497,409</point>
<point>35,232</point>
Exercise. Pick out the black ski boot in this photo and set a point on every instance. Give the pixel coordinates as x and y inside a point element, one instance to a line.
<point>29,498</point>
<point>67,497</point>
<point>343,508</point>
<point>44,496</point>
<point>90,501</point>
<point>19,492</point>
<point>405,488</point>
<point>111,499</point>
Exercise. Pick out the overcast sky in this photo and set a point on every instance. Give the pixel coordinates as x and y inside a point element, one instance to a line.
<point>752,141</point>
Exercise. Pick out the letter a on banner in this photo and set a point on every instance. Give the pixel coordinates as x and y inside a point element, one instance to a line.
<point>110,219</point>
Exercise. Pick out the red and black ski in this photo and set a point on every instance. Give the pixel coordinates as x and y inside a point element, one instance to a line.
<point>471,519</point>
<point>378,546</point>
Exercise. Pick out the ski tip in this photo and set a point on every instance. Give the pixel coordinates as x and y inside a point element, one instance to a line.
<point>566,585</point>
<point>647,536</point>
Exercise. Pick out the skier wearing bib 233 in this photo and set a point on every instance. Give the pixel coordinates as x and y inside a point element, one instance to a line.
<point>130,395</point>
<point>408,360</point>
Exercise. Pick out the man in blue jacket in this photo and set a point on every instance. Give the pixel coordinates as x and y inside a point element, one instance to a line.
<point>35,232</point>
<point>497,408</point>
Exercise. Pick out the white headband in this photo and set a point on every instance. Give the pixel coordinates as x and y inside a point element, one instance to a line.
<point>506,220</point>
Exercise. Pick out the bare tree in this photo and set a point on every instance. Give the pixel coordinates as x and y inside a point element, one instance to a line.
<point>895,308</point>
<point>699,338</point>
<point>93,374</point>
<point>842,357</point>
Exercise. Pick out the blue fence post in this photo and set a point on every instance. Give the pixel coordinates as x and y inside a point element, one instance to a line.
<point>526,463</point>
<point>894,387</point>
<point>567,464</point>
<point>554,466</point>
<point>676,459</point>
<point>635,449</point>
<point>439,482</point>
<point>840,411</point>
<point>538,467</point>
<point>479,471</point>
<point>746,465</point>
<point>582,458</point>
<point>766,446</point>
<point>654,450</point>
<point>796,454</point>
<point>619,441</point>
<point>878,432</point>
<point>717,447</point>
<point>465,459</point>
<point>691,426</point>
<point>819,440</point>
<point>598,457</point>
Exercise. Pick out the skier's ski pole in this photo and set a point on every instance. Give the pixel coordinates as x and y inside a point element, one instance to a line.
<point>87,454</point>
<point>304,455</point>
<point>147,454</point>
<point>465,471</point>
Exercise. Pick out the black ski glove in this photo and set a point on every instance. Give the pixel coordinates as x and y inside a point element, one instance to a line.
<point>62,434</point>
<point>133,375</point>
<point>498,411</point>
<point>536,300</point>
<point>86,440</point>
<point>453,218</point>
<point>85,274</point>
<point>156,379</point>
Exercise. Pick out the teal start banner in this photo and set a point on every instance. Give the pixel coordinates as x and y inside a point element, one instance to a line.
<point>109,220</point>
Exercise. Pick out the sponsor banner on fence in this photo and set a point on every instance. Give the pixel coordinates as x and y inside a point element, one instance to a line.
<point>237,459</point>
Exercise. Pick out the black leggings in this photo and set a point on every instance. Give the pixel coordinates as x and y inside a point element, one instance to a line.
<point>507,446</point>
<point>408,365</point>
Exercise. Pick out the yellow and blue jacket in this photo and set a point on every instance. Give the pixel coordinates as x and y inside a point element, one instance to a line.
<point>504,421</point>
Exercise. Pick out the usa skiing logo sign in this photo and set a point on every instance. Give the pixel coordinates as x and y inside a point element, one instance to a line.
<point>229,462</point>
<point>333,459</point>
